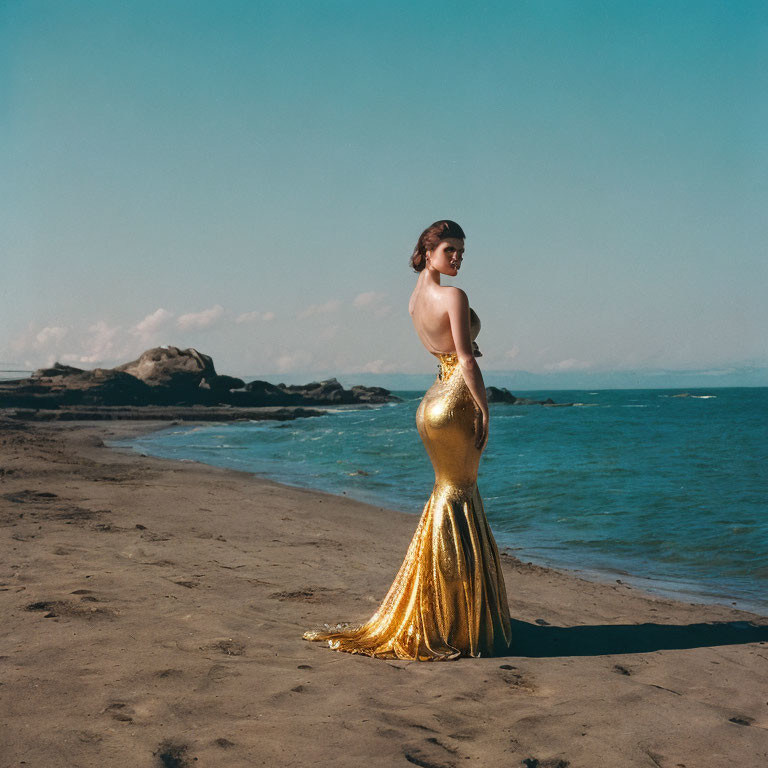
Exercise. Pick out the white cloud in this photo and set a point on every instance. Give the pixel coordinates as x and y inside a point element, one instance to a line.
<point>571,364</point>
<point>50,333</point>
<point>255,316</point>
<point>372,301</point>
<point>197,320</point>
<point>512,353</point>
<point>297,360</point>
<point>365,299</point>
<point>320,309</point>
<point>101,342</point>
<point>377,366</point>
<point>98,344</point>
<point>32,340</point>
<point>326,334</point>
<point>152,322</point>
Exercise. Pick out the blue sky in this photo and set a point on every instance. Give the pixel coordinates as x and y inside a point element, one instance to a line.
<point>249,178</point>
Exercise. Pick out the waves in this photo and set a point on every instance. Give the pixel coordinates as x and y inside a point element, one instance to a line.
<point>670,489</point>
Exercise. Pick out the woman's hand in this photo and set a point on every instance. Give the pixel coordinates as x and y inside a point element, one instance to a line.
<point>482,418</point>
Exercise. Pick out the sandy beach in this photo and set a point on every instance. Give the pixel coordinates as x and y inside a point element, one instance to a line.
<point>153,611</point>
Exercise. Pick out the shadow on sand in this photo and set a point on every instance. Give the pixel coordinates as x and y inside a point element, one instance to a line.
<point>600,639</point>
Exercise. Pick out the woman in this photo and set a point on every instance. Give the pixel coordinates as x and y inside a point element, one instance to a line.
<point>448,598</point>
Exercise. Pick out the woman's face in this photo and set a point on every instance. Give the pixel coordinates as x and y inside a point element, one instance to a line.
<point>447,256</point>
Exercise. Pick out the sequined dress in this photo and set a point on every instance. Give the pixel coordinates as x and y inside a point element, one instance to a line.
<point>448,599</point>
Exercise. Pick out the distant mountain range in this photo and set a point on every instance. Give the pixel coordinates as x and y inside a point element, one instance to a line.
<point>521,381</point>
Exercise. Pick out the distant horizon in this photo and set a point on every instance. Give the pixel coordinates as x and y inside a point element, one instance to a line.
<point>747,376</point>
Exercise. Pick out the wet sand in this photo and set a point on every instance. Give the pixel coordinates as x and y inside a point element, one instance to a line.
<point>153,610</point>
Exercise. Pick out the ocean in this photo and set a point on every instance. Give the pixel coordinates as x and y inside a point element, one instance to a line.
<point>666,492</point>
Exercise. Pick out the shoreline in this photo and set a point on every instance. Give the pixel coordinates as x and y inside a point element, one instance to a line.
<point>154,609</point>
<point>669,588</point>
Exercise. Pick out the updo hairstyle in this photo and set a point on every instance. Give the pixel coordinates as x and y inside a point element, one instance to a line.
<point>430,238</point>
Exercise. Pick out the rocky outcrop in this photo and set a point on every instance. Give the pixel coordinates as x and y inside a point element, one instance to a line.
<point>57,370</point>
<point>180,369</point>
<point>503,395</point>
<point>169,376</point>
<point>372,394</point>
<point>221,384</point>
<point>101,386</point>
<point>271,394</point>
<point>331,391</point>
<point>327,392</point>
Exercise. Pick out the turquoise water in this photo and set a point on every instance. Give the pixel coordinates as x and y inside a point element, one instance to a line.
<point>669,493</point>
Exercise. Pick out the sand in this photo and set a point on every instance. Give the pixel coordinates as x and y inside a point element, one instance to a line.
<point>152,614</point>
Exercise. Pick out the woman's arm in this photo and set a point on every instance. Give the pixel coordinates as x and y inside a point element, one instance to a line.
<point>458,314</point>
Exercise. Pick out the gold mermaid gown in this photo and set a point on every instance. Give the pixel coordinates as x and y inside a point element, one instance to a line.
<point>448,598</point>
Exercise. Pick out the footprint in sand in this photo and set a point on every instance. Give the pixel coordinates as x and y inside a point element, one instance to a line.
<point>89,737</point>
<point>152,536</point>
<point>173,754</point>
<point>27,496</point>
<point>57,608</point>
<point>226,645</point>
<point>741,720</point>
<point>219,672</point>
<point>105,528</point>
<point>166,674</point>
<point>224,743</point>
<point>309,595</point>
<point>185,583</point>
<point>432,753</point>
<point>513,677</point>
<point>390,733</point>
<point>121,711</point>
<point>142,710</point>
<point>23,536</point>
<point>458,724</point>
<point>73,514</point>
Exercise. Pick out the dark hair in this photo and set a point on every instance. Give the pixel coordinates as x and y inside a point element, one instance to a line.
<point>430,238</point>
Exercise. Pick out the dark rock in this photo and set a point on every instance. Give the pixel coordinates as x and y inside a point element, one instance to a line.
<point>57,370</point>
<point>222,384</point>
<point>328,392</point>
<point>372,394</point>
<point>503,395</point>
<point>500,395</point>
<point>265,393</point>
<point>171,367</point>
<point>171,377</point>
<point>101,386</point>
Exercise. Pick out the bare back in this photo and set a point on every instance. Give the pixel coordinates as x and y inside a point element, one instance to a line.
<point>428,309</point>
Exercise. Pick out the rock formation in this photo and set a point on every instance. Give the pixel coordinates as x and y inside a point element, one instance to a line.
<point>169,376</point>
<point>503,395</point>
<point>181,369</point>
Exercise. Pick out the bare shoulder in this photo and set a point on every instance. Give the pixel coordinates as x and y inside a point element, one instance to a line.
<point>453,296</point>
